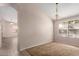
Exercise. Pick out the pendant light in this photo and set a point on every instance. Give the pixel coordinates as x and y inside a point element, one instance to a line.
<point>56,11</point>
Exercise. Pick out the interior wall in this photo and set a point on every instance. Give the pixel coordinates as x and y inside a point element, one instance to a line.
<point>66,40</point>
<point>8,29</point>
<point>0,34</point>
<point>35,27</point>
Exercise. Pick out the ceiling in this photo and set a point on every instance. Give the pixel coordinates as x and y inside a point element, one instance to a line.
<point>8,13</point>
<point>64,10</point>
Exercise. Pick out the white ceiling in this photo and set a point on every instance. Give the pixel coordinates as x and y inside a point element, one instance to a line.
<point>8,13</point>
<point>4,4</point>
<point>64,9</point>
<point>49,8</point>
<point>68,9</point>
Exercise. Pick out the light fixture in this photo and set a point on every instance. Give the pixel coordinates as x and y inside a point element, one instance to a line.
<point>56,11</point>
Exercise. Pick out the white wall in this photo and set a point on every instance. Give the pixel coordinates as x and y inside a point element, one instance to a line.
<point>35,27</point>
<point>66,40</point>
<point>9,29</point>
<point>0,34</point>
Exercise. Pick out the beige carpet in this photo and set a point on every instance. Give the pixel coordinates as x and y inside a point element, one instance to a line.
<point>53,49</point>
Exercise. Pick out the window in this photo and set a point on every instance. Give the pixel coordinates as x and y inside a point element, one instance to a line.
<point>69,28</point>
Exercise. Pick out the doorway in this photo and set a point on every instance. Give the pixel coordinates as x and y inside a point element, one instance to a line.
<point>8,31</point>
